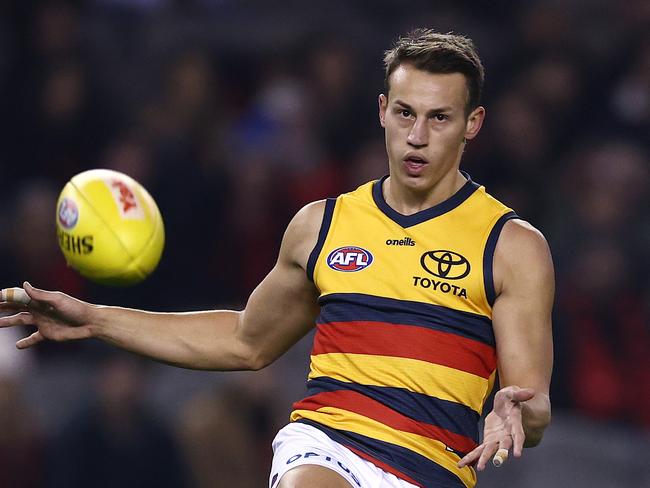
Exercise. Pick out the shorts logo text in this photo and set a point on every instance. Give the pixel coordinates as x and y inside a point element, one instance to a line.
<point>329,459</point>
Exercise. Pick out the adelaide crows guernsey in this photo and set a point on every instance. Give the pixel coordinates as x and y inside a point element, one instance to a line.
<point>404,352</point>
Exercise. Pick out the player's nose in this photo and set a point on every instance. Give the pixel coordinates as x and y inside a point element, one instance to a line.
<point>418,135</point>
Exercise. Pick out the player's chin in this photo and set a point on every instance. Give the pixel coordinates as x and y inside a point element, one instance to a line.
<point>416,181</point>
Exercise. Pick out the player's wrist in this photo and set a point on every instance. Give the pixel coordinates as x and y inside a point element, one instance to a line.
<point>536,416</point>
<point>98,321</point>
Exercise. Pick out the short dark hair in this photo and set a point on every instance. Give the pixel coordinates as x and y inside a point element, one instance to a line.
<point>434,52</point>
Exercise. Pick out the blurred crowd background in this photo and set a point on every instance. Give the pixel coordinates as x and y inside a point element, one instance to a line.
<point>234,114</point>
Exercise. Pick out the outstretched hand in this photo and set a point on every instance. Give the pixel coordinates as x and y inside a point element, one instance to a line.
<point>57,316</point>
<point>503,427</point>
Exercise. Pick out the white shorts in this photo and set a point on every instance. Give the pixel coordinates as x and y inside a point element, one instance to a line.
<point>298,444</point>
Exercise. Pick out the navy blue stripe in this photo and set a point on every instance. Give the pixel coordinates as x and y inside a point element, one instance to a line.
<point>450,416</point>
<point>425,471</point>
<point>488,255</point>
<point>422,216</point>
<point>322,235</point>
<point>347,307</point>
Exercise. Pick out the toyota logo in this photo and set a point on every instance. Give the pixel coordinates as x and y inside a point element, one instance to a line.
<point>445,264</point>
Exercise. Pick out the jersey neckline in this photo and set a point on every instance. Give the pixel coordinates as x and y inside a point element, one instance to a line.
<point>428,213</point>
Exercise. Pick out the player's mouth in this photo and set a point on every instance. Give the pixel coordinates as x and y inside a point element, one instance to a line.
<point>414,164</point>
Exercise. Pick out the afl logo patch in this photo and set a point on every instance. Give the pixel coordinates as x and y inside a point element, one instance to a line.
<point>349,258</point>
<point>68,214</point>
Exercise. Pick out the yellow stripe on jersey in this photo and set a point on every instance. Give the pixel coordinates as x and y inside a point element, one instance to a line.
<point>429,448</point>
<point>414,375</point>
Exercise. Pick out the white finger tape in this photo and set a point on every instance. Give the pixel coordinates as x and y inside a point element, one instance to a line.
<point>500,457</point>
<point>14,294</point>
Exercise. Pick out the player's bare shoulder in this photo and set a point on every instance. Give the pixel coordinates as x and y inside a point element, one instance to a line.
<point>522,254</point>
<point>302,233</point>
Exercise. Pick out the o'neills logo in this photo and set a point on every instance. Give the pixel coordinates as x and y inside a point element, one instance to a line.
<point>406,241</point>
<point>349,258</point>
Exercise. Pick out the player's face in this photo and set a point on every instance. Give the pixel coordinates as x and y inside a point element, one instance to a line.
<point>426,124</point>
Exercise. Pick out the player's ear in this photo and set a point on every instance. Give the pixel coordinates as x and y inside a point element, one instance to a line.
<point>474,122</point>
<point>383,103</point>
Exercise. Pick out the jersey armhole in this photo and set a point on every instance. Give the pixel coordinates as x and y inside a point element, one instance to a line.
<point>322,235</point>
<point>488,256</point>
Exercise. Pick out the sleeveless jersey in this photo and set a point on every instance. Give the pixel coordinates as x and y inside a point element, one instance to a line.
<point>404,352</point>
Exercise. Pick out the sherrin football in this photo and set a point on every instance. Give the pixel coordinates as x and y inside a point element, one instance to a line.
<point>109,228</point>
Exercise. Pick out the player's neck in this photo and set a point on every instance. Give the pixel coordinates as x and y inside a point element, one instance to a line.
<point>409,201</point>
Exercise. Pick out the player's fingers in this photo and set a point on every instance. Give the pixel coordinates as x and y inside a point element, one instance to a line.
<point>10,308</point>
<point>20,318</point>
<point>516,429</point>
<point>518,437</point>
<point>506,442</point>
<point>29,341</point>
<point>486,455</point>
<point>43,296</point>
<point>14,295</point>
<point>501,456</point>
<point>471,457</point>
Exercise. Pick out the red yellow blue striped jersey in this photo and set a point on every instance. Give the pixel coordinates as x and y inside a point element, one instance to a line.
<point>404,352</point>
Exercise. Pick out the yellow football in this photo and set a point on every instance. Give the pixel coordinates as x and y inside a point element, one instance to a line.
<point>109,228</point>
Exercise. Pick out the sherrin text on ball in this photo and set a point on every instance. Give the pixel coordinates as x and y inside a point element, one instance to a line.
<point>109,227</point>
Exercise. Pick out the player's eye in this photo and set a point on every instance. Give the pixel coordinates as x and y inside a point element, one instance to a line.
<point>405,113</point>
<point>440,117</point>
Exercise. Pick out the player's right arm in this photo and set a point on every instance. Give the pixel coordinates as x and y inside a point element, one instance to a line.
<point>280,311</point>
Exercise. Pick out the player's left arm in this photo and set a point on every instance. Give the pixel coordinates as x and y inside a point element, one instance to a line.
<point>521,318</point>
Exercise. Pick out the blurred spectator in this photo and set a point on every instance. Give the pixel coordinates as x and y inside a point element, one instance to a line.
<point>340,110</point>
<point>227,434</point>
<point>630,98</point>
<point>21,441</point>
<point>32,252</point>
<point>61,125</point>
<point>514,164</point>
<point>603,335</point>
<point>604,190</point>
<point>116,441</point>
<point>369,163</point>
<point>554,85</point>
<point>55,29</point>
<point>277,124</point>
<point>607,338</point>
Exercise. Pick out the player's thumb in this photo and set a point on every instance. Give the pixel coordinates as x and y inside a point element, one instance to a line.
<point>523,394</point>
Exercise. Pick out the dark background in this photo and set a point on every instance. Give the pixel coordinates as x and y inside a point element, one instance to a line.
<point>234,114</point>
